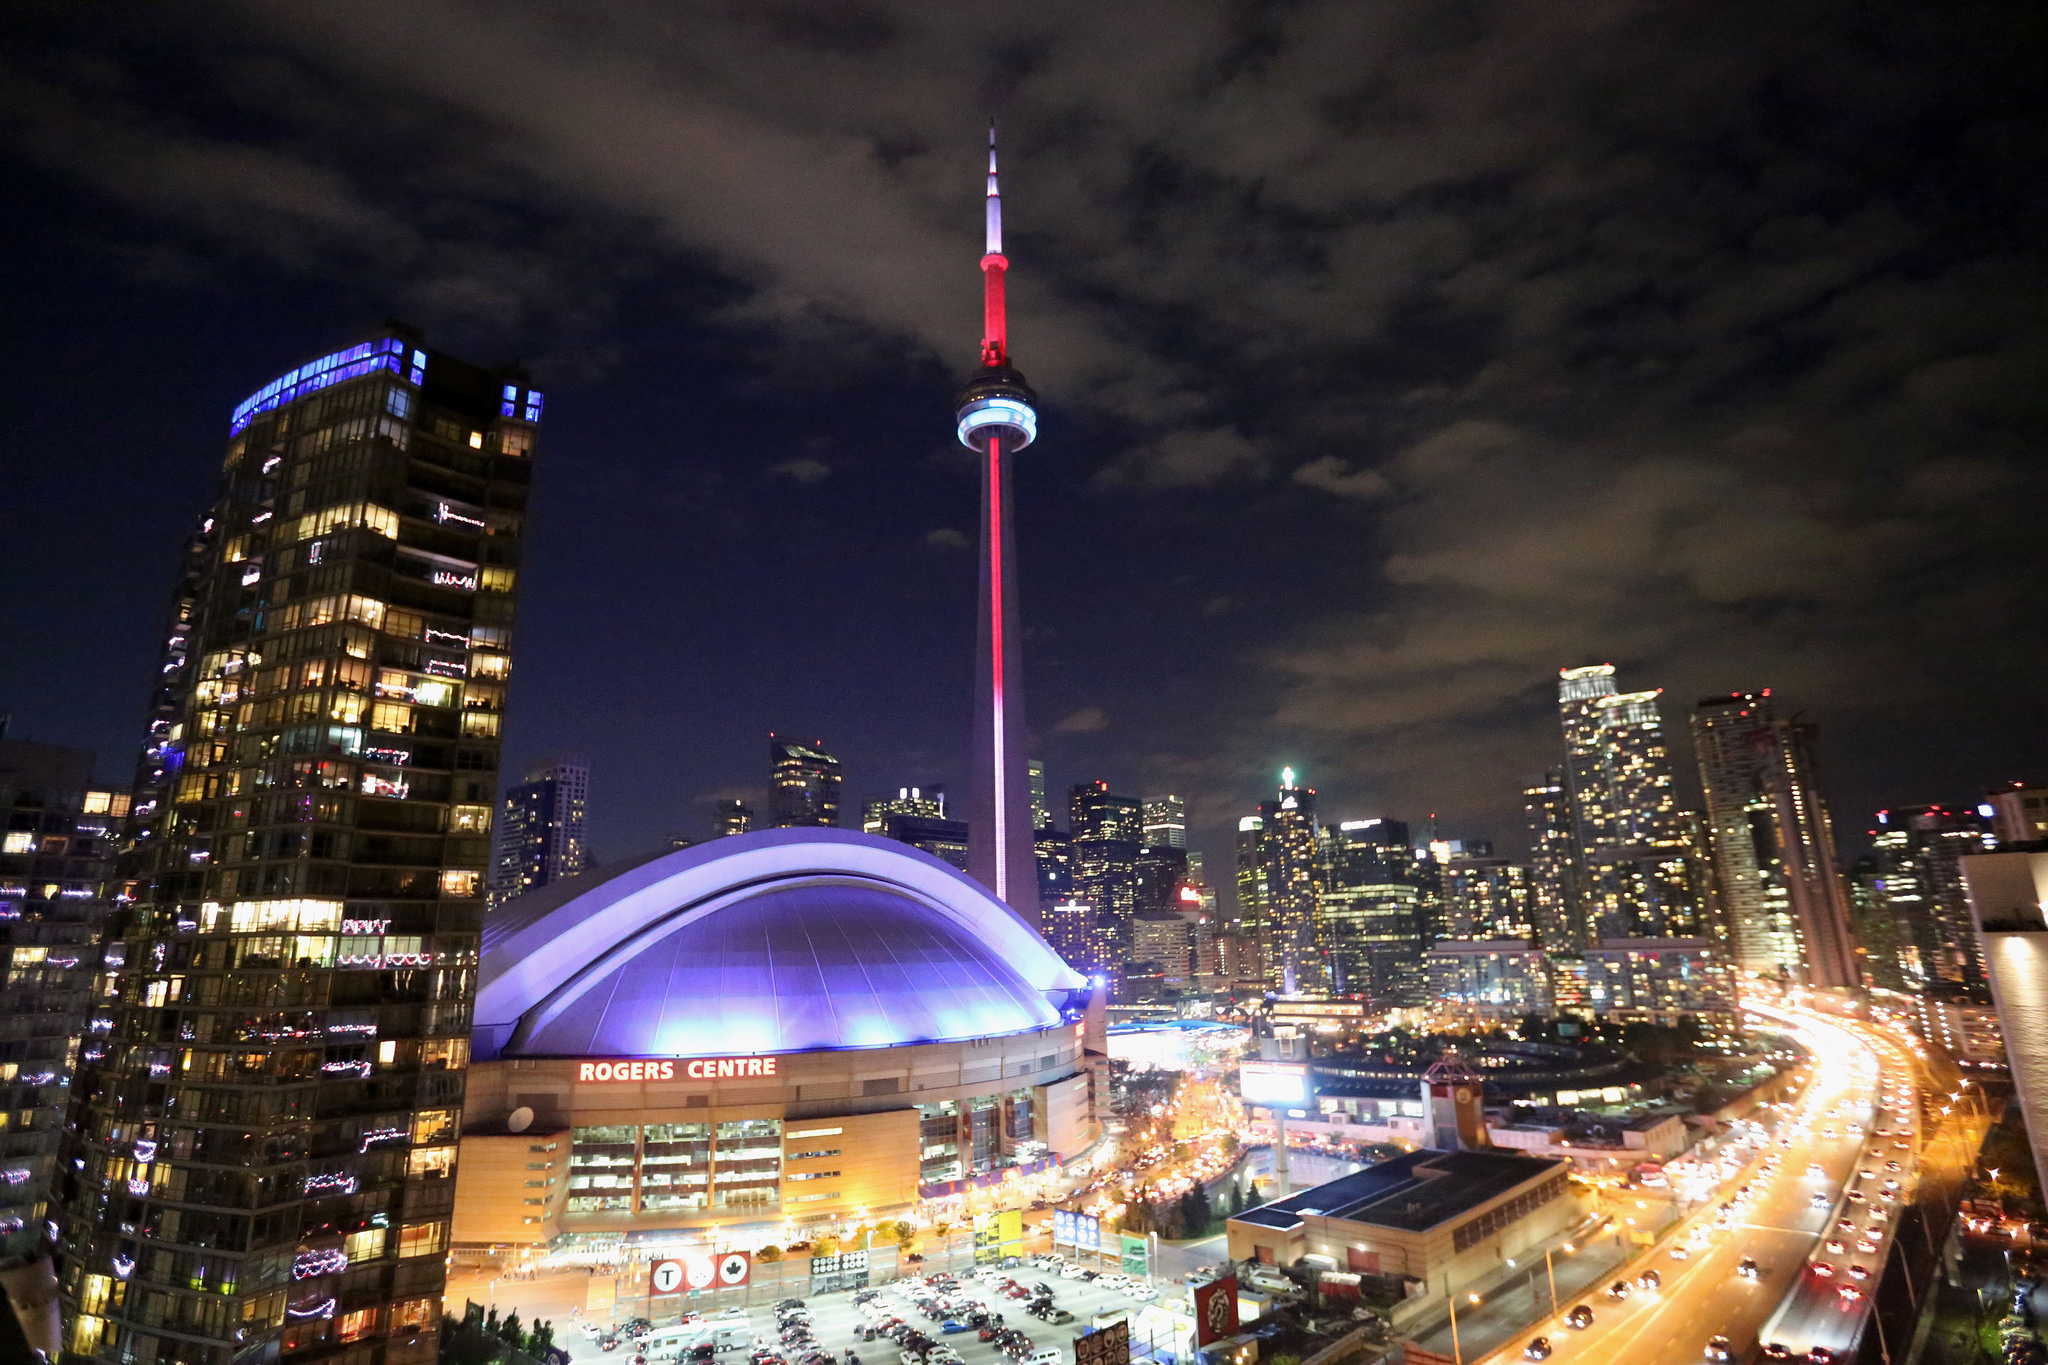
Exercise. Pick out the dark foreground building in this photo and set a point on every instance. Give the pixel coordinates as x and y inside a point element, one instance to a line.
<point>264,1119</point>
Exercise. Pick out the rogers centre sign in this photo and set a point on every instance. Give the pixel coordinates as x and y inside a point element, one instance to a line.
<point>701,1069</point>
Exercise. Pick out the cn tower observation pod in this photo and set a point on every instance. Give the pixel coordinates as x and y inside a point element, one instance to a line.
<point>780,941</point>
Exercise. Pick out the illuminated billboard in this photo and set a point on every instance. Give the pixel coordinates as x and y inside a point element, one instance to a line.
<point>1281,1083</point>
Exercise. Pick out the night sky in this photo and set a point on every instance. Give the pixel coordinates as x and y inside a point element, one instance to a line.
<point>1391,355</point>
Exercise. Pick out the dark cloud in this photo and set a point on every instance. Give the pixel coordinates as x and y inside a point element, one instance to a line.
<point>803,469</point>
<point>1088,720</point>
<point>1468,342</point>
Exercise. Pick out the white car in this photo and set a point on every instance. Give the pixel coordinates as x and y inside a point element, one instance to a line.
<point>1070,1272</point>
<point>1142,1291</point>
<point>1048,1356</point>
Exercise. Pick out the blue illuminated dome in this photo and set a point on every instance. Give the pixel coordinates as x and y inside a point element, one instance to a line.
<point>780,941</point>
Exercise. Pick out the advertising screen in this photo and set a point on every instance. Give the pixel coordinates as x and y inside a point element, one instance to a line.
<point>1273,1083</point>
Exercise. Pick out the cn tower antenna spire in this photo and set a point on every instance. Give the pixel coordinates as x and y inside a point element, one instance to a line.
<point>997,417</point>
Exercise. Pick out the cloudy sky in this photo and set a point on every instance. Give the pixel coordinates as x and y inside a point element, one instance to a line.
<point>1393,355</point>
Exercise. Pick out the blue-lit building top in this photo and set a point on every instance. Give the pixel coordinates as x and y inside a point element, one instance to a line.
<point>778,941</point>
<point>395,354</point>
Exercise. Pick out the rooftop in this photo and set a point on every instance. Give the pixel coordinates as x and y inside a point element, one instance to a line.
<point>1413,1192</point>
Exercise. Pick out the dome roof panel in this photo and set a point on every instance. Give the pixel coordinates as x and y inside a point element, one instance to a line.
<point>792,942</point>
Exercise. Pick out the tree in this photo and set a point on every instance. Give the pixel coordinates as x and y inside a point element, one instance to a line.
<point>768,1255</point>
<point>508,1328</point>
<point>825,1244</point>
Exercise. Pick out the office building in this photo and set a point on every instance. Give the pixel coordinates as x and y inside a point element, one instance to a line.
<point>540,835</point>
<point>262,1147</point>
<point>1283,850</point>
<point>1489,980</point>
<point>731,816</point>
<point>944,839</point>
<point>1096,812</point>
<point>1070,929</point>
<point>925,803</point>
<point>1553,896</point>
<point>1166,940</point>
<point>1041,813</point>
<point>1880,941</point>
<point>803,785</point>
<point>1053,853</point>
<point>1166,823</point>
<point>56,866</point>
<point>1105,872</point>
<point>1371,912</point>
<point>1162,876</point>
<point>1919,852</point>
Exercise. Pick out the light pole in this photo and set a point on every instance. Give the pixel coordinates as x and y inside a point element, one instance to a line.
<point>1457,1352</point>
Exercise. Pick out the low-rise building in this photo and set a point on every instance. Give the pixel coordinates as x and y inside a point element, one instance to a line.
<point>1446,1218</point>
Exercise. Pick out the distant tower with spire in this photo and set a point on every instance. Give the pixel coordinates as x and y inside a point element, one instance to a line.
<point>997,418</point>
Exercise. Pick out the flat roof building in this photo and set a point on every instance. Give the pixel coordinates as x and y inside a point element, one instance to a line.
<point>1445,1218</point>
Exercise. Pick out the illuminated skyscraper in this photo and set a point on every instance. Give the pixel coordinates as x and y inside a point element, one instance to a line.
<point>1283,845</point>
<point>1166,822</point>
<point>1041,813</point>
<point>1578,691</point>
<point>926,803</point>
<point>56,866</point>
<point>264,1124</point>
<point>803,785</point>
<point>997,417</point>
<point>1783,896</point>
<point>540,837</point>
<point>1107,837</point>
<point>1370,907</point>
<point>1553,893</point>
<point>1919,853</point>
<point>1641,804</point>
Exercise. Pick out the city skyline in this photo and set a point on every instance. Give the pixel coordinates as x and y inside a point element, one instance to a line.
<point>1357,546</point>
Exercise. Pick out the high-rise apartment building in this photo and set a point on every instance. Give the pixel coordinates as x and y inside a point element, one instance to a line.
<point>803,785</point>
<point>1579,690</point>
<point>731,816</point>
<point>1370,907</point>
<point>56,863</point>
<point>1553,860</point>
<point>265,1116</point>
<point>1486,897</point>
<point>1642,797</point>
<point>1919,852</point>
<point>541,834</point>
<point>1166,822</point>
<point>1783,897</point>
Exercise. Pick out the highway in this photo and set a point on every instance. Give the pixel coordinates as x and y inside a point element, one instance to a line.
<point>1777,1224</point>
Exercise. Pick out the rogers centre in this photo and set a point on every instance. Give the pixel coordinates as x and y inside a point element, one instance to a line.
<point>766,1033</point>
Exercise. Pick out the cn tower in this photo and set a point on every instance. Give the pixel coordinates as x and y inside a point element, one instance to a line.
<point>996,420</point>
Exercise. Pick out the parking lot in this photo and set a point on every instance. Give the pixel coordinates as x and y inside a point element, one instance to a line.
<point>835,1320</point>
